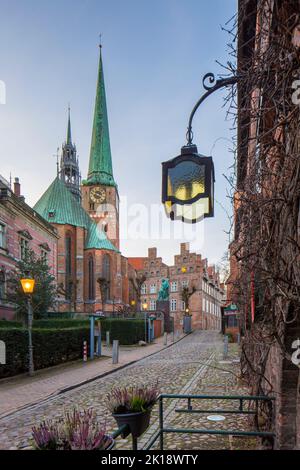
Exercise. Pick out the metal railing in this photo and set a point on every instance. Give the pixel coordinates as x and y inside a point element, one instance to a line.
<point>223,432</point>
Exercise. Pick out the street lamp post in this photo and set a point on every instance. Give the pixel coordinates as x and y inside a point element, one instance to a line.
<point>145,307</point>
<point>28,287</point>
<point>188,179</point>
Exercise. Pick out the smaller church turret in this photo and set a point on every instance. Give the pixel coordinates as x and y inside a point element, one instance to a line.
<point>69,165</point>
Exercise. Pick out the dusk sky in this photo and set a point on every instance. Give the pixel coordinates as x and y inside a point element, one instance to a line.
<point>154,54</point>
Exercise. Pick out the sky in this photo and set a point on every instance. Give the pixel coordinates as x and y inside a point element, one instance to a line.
<point>155,53</point>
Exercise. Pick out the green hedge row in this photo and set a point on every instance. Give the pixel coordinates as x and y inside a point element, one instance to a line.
<point>50,347</point>
<point>58,341</point>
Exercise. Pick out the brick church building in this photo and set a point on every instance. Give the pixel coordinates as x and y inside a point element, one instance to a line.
<point>91,273</point>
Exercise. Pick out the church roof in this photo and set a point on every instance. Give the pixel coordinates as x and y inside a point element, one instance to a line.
<point>100,163</point>
<point>58,206</point>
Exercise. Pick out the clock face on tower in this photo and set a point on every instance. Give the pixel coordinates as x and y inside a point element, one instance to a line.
<point>97,194</point>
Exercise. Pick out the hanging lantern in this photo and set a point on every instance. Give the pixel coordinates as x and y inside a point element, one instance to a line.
<point>188,186</point>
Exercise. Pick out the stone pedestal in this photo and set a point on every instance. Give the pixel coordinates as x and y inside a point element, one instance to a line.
<point>164,306</point>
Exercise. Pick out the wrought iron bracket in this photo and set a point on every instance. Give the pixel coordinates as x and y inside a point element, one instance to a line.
<point>210,84</point>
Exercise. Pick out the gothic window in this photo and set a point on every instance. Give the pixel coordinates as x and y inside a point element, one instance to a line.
<point>68,243</point>
<point>2,285</point>
<point>106,276</point>
<point>2,236</point>
<point>91,279</point>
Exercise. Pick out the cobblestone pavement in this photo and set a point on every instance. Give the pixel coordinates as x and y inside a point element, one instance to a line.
<point>183,368</point>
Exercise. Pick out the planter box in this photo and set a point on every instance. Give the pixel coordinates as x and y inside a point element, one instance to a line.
<point>136,422</point>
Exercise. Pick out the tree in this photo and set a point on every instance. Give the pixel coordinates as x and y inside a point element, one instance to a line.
<point>45,291</point>
<point>137,282</point>
<point>186,294</point>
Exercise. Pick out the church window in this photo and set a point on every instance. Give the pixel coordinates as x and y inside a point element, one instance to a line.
<point>68,243</point>
<point>91,279</point>
<point>106,276</point>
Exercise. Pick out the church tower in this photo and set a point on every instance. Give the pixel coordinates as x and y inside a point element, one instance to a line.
<point>99,191</point>
<point>69,166</point>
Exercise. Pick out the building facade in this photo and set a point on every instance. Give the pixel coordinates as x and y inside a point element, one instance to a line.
<point>21,229</point>
<point>189,273</point>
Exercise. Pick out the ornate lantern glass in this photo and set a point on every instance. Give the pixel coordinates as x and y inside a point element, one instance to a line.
<point>188,186</point>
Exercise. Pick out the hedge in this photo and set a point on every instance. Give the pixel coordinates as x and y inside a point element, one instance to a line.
<point>59,344</point>
<point>50,347</point>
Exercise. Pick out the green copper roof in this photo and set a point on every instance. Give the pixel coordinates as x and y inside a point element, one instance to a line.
<point>100,164</point>
<point>58,206</point>
<point>69,136</point>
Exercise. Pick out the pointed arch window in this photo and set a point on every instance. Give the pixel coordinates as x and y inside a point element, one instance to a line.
<point>91,278</point>
<point>68,246</point>
<point>106,268</point>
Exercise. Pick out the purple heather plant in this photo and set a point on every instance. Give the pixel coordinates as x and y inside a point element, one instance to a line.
<point>132,399</point>
<point>75,431</point>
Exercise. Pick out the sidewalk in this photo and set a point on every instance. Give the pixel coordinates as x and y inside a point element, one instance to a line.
<point>22,391</point>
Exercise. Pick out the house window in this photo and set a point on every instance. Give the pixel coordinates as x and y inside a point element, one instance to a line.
<point>24,244</point>
<point>152,289</point>
<point>174,285</point>
<point>173,305</point>
<point>152,304</point>
<point>182,305</point>
<point>44,256</point>
<point>2,236</point>
<point>2,285</point>
<point>185,283</point>
<point>91,279</point>
<point>144,289</point>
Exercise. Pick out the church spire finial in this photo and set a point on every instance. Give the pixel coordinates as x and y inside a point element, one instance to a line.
<point>69,135</point>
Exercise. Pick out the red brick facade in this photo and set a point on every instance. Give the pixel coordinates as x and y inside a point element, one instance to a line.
<point>21,224</point>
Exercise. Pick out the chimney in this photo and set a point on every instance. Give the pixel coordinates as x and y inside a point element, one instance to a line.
<point>17,187</point>
<point>184,248</point>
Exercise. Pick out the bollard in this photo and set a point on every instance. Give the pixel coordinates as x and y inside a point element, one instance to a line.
<point>115,351</point>
<point>225,353</point>
<point>107,339</point>
<point>165,339</point>
<point>84,351</point>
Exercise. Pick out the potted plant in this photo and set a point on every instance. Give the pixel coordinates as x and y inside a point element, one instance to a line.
<point>74,431</point>
<point>132,406</point>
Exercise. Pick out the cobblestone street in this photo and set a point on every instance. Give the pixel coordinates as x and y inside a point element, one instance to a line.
<point>193,365</point>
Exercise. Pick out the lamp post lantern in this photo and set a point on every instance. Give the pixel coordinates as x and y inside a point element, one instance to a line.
<point>188,179</point>
<point>28,284</point>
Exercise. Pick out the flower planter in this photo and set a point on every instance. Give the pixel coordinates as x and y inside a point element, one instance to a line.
<point>137,422</point>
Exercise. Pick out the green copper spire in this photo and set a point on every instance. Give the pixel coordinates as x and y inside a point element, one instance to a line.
<point>100,164</point>
<point>69,136</point>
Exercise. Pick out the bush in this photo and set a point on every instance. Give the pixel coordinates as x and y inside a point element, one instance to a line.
<point>10,324</point>
<point>50,347</point>
<point>59,341</point>
<point>126,331</point>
